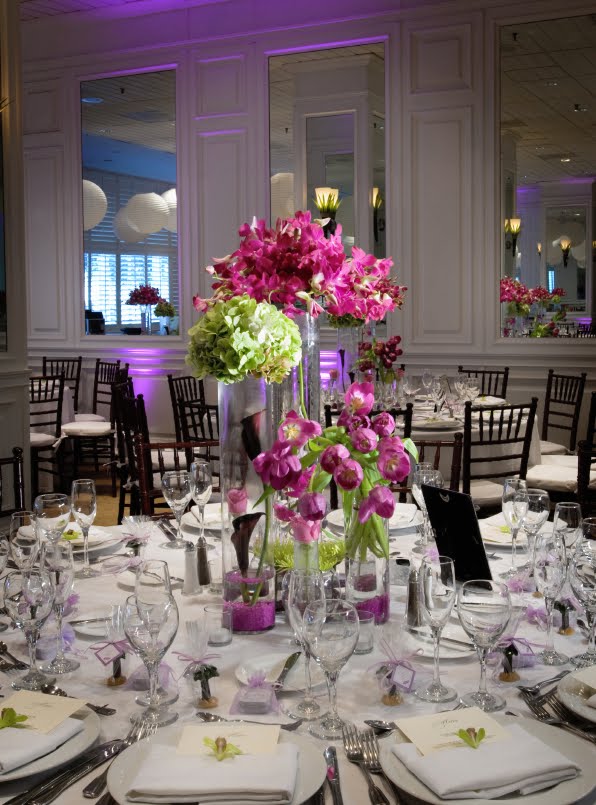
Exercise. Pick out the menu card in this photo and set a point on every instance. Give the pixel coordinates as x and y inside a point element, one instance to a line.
<point>438,731</point>
<point>251,739</point>
<point>43,712</point>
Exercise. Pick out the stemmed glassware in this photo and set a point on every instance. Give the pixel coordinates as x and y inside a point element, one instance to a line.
<point>83,501</point>
<point>582,577</point>
<point>4,551</point>
<point>306,587</point>
<point>424,474</point>
<point>411,387</point>
<point>331,633</point>
<point>550,569</point>
<point>535,517</point>
<point>437,577</point>
<point>23,540</point>
<point>52,513</point>
<point>484,609</point>
<point>202,486</point>
<point>176,486</point>
<point>28,599</point>
<point>427,381</point>
<point>514,502</point>
<point>437,394</point>
<point>57,561</point>
<point>151,628</point>
<point>567,521</point>
<point>472,389</point>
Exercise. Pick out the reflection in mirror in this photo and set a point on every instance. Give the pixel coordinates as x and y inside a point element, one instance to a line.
<point>130,238</point>
<point>548,178</point>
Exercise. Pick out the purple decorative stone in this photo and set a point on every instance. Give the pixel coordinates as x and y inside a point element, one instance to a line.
<point>247,619</point>
<point>378,606</point>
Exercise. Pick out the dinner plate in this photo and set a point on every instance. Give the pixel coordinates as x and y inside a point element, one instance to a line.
<point>565,793</point>
<point>422,643</point>
<point>64,753</point>
<point>190,521</point>
<point>437,424</point>
<point>127,580</point>
<point>489,401</point>
<point>406,515</point>
<point>272,664</point>
<point>96,629</point>
<point>310,777</point>
<point>574,695</point>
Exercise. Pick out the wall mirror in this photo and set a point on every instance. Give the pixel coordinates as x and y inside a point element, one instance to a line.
<point>130,243</point>
<point>548,178</point>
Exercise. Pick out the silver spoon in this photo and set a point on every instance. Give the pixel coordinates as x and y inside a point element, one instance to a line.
<point>213,717</point>
<point>102,710</point>
<point>380,727</point>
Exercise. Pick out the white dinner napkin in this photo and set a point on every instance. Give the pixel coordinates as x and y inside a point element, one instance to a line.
<point>523,764</point>
<point>166,776</point>
<point>20,746</point>
<point>492,528</point>
<point>212,514</point>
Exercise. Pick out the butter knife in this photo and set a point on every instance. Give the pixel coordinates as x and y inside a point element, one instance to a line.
<point>278,683</point>
<point>330,756</point>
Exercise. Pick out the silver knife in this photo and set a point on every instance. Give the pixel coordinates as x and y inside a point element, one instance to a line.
<point>278,683</point>
<point>453,640</point>
<point>330,756</point>
<point>88,620</point>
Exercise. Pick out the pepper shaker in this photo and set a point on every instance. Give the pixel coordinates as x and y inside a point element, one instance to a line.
<point>204,576</point>
<point>413,609</point>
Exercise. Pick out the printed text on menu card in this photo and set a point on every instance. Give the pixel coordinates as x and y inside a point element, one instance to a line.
<point>43,712</point>
<point>438,731</point>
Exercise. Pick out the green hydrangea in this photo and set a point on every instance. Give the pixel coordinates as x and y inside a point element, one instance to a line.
<point>240,337</point>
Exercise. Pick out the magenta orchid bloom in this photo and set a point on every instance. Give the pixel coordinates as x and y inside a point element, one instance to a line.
<point>364,440</point>
<point>348,475</point>
<point>380,501</point>
<point>333,456</point>
<point>394,465</point>
<point>278,467</point>
<point>297,431</point>
<point>360,398</point>
<point>312,506</point>
<point>383,424</point>
<point>305,530</point>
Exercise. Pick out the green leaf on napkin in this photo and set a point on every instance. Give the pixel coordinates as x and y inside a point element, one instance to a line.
<point>505,529</point>
<point>472,738</point>
<point>9,718</point>
<point>71,534</point>
<point>221,748</point>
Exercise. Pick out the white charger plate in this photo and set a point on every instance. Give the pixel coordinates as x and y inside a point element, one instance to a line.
<point>406,515</point>
<point>565,793</point>
<point>423,643</point>
<point>437,424</point>
<point>272,664</point>
<point>574,695</point>
<point>64,753</point>
<point>311,764</point>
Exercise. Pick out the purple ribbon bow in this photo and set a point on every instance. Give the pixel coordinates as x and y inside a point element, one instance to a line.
<point>388,681</point>
<point>110,650</point>
<point>193,661</point>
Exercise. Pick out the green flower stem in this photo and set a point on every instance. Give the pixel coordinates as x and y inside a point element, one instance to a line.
<point>264,550</point>
<point>301,383</point>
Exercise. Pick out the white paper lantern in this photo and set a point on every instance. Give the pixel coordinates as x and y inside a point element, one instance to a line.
<point>95,204</point>
<point>147,212</point>
<point>171,200</point>
<point>123,229</point>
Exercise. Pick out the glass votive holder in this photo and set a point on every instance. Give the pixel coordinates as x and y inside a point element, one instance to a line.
<point>366,635</point>
<point>215,575</point>
<point>218,624</point>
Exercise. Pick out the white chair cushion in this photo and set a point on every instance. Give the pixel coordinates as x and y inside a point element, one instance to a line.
<point>552,449</point>
<point>561,461</point>
<point>89,418</point>
<point>41,439</point>
<point>169,460</point>
<point>486,493</point>
<point>87,429</point>
<point>553,478</point>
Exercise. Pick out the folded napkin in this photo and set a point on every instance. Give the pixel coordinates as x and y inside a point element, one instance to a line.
<point>21,746</point>
<point>212,514</point>
<point>493,528</point>
<point>169,777</point>
<point>523,764</point>
<point>488,400</point>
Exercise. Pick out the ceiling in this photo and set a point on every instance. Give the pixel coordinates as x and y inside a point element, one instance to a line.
<point>33,9</point>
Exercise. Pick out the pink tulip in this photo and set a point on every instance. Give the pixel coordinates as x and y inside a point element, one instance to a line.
<point>237,500</point>
<point>297,431</point>
<point>278,467</point>
<point>364,440</point>
<point>348,475</point>
<point>333,456</point>
<point>394,465</point>
<point>380,501</point>
<point>312,506</point>
<point>306,530</point>
<point>383,424</point>
<point>360,398</point>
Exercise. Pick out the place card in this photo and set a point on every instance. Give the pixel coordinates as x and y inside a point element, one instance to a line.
<point>438,731</point>
<point>43,712</point>
<point>586,676</point>
<point>252,739</point>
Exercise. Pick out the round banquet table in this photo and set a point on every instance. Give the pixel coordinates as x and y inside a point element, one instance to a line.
<point>358,694</point>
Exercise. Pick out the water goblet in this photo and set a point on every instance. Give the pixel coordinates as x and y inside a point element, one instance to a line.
<point>83,501</point>
<point>176,486</point>
<point>514,502</point>
<point>52,513</point>
<point>202,486</point>
<point>306,587</point>
<point>411,387</point>
<point>151,629</point>
<point>424,474</point>
<point>484,609</point>
<point>57,561</point>
<point>567,521</point>
<point>550,570</point>
<point>472,389</point>
<point>28,599</point>
<point>331,632</point>
<point>437,394</point>
<point>437,578</point>
<point>582,578</point>
<point>427,381</point>
<point>535,517</point>
<point>23,540</point>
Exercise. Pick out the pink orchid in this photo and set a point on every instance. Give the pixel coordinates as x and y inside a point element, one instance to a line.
<point>360,398</point>
<point>379,501</point>
<point>348,475</point>
<point>312,506</point>
<point>297,431</point>
<point>278,467</point>
<point>333,456</point>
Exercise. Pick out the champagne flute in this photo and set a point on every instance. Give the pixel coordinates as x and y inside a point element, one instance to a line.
<point>52,513</point>
<point>437,578</point>
<point>484,609</point>
<point>57,561</point>
<point>550,570</point>
<point>28,599</point>
<point>306,587</point>
<point>535,517</point>
<point>582,577</point>
<point>151,629</point>
<point>176,486</point>
<point>202,486</point>
<point>23,540</point>
<point>567,521</point>
<point>83,501</point>
<point>514,502</point>
<point>331,633</point>
<point>4,551</point>
<point>424,474</point>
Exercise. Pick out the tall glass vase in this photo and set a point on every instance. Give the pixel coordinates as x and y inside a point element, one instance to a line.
<point>348,339</point>
<point>146,323</point>
<point>367,575</point>
<point>247,569</point>
<point>286,396</point>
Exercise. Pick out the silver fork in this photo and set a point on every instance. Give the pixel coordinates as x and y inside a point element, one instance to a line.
<point>93,789</point>
<point>370,751</point>
<point>18,664</point>
<point>355,754</point>
<point>560,710</point>
<point>543,715</point>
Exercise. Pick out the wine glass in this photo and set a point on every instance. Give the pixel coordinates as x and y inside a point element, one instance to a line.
<point>23,540</point>
<point>52,513</point>
<point>550,570</point>
<point>567,521</point>
<point>83,501</point>
<point>427,381</point>
<point>582,577</point>
<point>176,486</point>
<point>330,631</point>
<point>411,387</point>
<point>202,485</point>
<point>484,609</point>
<point>4,551</point>
<point>472,389</point>
<point>151,629</point>
<point>57,561</point>
<point>437,394</point>
<point>514,503</point>
<point>437,577</point>
<point>535,517</point>
<point>28,599</point>
<point>306,587</point>
<point>424,474</point>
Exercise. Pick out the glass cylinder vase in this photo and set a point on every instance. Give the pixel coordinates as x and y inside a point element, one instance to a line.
<point>367,575</point>
<point>146,318</point>
<point>348,339</point>
<point>248,574</point>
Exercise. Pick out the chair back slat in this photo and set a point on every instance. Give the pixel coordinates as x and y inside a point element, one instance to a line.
<point>562,404</point>
<point>425,446</point>
<point>186,388</point>
<point>14,466</point>
<point>71,369</point>
<point>493,382</point>
<point>586,469</point>
<point>106,374</point>
<point>46,395</point>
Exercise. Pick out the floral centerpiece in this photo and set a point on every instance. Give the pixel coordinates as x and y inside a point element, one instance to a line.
<point>164,308</point>
<point>147,296</point>
<point>379,356</point>
<point>520,300</point>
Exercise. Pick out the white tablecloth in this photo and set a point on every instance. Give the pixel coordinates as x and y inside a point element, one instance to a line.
<point>358,694</point>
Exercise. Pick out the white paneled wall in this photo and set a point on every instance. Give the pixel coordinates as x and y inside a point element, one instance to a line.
<point>442,157</point>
